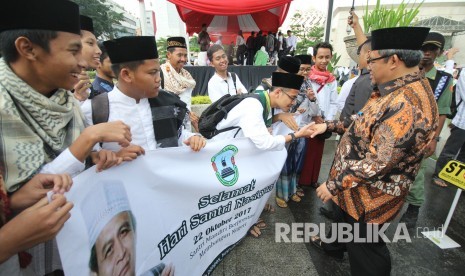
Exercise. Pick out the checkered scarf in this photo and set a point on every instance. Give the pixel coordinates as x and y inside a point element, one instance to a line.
<point>34,129</point>
<point>177,82</point>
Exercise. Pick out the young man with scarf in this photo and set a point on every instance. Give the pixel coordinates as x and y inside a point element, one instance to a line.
<point>156,117</point>
<point>325,86</point>
<point>42,130</point>
<point>378,157</point>
<point>175,78</point>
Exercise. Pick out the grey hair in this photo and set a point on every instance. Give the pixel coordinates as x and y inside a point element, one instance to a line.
<point>411,58</point>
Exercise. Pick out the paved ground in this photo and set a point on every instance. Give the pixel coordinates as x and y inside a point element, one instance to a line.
<point>264,256</point>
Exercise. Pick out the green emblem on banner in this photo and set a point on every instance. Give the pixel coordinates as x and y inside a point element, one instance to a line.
<point>225,167</point>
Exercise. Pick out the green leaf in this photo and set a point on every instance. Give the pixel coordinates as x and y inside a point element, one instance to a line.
<point>381,17</point>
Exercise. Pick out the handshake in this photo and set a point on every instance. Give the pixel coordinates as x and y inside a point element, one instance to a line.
<point>311,130</point>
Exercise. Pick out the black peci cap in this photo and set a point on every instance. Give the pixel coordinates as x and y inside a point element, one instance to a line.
<point>87,24</point>
<point>289,64</point>
<point>131,48</point>
<point>407,38</point>
<point>286,80</point>
<point>176,41</point>
<point>305,59</point>
<point>52,15</point>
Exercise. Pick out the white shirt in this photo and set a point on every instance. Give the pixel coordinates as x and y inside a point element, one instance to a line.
<point>449,66</point>
<point>345,90</point>
<point>280,39</point>
<point>459,119</point>
<point>248,115</point>
<point>138,116</point>
<point>64,163</point>
<point>186,96</point>
<point>327,99</point>
<point>239,40</point>
<point>292,41</point>
<point>218,87</point>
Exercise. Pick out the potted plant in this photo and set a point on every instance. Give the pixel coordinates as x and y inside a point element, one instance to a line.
<point>199,104</point>
<point>383,17</point>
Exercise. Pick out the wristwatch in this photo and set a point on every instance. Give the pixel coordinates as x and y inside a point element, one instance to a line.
<point>293,138</point>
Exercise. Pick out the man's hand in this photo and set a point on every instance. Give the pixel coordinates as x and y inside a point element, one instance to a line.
<point>37,188</point>
<point>318,120</point>
<point>196,142</point>
<point>311,94</point>
<point>194,120</point>
<point>81,88</point>
<point>289,120</point>
<point>116,131</point>
<point>323,193</point>
<point>168,270</point>
<point>304,131</point>
<point>352,20</point>
<point>38,223</point>
<point>105,159</point>
<point>451,53</point>
<point>130,153</point>
<point>318,129</point>
<point>431,148</point>
<point>301,110</point>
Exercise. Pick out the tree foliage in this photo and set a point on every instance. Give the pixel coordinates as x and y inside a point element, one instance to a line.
<point>105,19</point>
<point>161,47</point>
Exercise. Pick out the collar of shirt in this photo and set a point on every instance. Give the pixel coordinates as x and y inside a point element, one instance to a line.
<point>119,96</point>
<point>431,74</point>
<point>364,71</point>
<point>393,85</point>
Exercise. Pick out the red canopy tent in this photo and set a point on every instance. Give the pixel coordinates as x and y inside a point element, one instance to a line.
<point>226,18</point>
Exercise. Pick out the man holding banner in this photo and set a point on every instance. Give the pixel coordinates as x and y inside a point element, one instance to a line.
<point>156,117</point>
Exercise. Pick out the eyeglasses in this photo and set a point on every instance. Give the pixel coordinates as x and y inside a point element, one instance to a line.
<point>370,60</point>
<point>292,98</point>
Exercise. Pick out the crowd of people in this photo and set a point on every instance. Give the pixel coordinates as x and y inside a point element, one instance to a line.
<point>56,122</point>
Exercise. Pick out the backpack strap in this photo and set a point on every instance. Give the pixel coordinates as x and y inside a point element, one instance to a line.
<point>162,79</point>
<point>100,108</point>
<point>234,77</point>
<point>439,84</point>
<point>168,115</point>
<point>264,99</point>
<point>228,108</point>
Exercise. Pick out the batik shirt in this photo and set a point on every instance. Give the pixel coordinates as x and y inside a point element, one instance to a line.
<point>379,155</point>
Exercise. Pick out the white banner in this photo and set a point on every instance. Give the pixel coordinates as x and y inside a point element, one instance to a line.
<point>172,210</point>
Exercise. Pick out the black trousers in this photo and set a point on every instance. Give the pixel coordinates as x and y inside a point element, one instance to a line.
<point>367,258</point>
<point>454,145</point>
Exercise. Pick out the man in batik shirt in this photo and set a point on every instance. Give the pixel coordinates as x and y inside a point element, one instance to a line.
<point>380,153</point>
